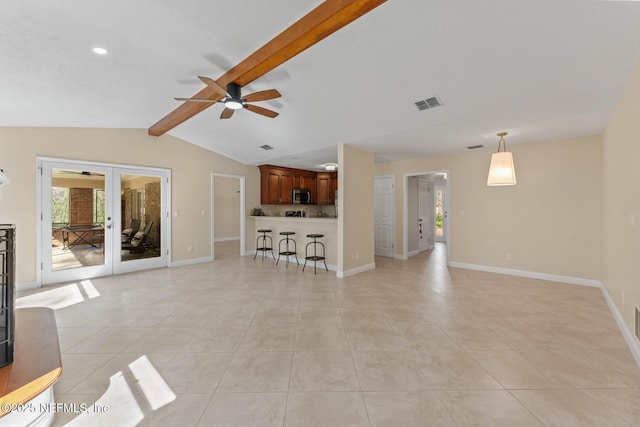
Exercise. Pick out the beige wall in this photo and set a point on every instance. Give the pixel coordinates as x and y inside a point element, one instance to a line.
<point>356,204</point>
<point>621,176</point>
<point>226,207</point>
<point>191,168</point>
<point>549,223</point>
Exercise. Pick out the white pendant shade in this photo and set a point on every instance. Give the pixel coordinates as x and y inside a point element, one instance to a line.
<point>501,170</point>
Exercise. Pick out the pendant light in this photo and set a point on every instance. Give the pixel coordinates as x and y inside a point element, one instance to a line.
<point>501,170</point>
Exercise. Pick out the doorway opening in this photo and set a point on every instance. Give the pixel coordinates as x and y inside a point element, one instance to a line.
<point>227,216</point>
<point>425,222</point>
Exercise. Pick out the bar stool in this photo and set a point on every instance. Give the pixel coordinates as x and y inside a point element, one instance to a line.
<point>263,240</point>
<point>287,251</point>
<point>315,257</point>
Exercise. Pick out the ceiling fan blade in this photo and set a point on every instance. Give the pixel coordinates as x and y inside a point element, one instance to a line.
<point>226,113</point>
<point>214,86</point>
<point>211,101</point>
<point>321,22</point>
<point>263,95</point>
<point>260,110</point>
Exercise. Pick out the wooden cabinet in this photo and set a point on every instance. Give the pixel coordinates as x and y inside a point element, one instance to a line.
<point>327,186</point>
<point>286,187</point>
<point>277,183</point>
<point>309,184</point>
<point>271,184</point>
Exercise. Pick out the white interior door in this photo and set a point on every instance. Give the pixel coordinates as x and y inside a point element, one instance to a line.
<point>85,210</point>
<point>384,223</point>
<point>425,214</point>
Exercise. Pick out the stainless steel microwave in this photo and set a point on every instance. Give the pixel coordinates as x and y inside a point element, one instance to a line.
<point>301,197</point>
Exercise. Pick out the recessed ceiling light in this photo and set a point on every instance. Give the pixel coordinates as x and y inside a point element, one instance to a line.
<point>100,50</point>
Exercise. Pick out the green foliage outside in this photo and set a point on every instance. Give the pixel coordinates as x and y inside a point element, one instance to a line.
<point>59,205</point>
<point>98,207</point>
<point>439,220</point>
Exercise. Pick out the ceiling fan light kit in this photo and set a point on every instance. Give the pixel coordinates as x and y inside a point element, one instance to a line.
<point>501,170</point>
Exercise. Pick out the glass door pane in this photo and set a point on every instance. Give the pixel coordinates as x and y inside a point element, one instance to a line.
<point>441,214</point>
<point>142,227</point>
<point>74,221</point>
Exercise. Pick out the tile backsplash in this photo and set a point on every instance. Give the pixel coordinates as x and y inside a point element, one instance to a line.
<point>313,210</point>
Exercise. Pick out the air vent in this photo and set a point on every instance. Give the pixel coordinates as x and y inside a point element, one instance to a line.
<point>428,103</point>
<point>637,323</point>
<point>266,147</point>
<point>475,147</point>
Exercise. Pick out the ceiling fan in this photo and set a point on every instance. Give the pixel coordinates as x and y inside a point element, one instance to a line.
<point>321,22</point>
<point>232,99</point>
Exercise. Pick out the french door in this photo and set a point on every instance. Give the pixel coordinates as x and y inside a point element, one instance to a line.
<point>99,220</point>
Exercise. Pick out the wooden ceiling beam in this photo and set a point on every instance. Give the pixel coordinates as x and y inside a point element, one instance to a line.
<point>318,24</point>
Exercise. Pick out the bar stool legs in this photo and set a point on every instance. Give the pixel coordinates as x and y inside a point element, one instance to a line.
<point>287,251</point>
<point>262,245</point>
<point>315,257</point>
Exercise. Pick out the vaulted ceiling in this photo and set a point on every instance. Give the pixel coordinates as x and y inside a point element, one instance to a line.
<point>538,69</point>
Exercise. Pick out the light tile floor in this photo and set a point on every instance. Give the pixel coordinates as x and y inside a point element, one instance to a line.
<point>412,343</point>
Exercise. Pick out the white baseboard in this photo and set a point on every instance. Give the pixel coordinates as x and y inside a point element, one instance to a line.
<point>633,344</point>
<point>400,256</point>
<point>225,239</point>
<point>190,261</point>
<point>25,286</point>
<point>414,253</point>
<point>357,270</point>
<point>529,274</point>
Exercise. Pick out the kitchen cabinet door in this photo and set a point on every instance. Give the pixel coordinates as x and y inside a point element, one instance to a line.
<point>324,188</point>
<point>269,187</point>
<point>312,189</point>
<point>286,187</point>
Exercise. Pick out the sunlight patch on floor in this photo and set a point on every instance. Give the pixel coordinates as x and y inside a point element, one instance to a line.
<point>61,297</point>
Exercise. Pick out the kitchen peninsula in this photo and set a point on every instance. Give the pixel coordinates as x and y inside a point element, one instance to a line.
<point>303,226</point>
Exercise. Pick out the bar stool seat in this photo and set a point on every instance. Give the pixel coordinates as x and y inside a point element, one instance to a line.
<point>262,244</point>
<point>315,257</point>
<point>287,250</point>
